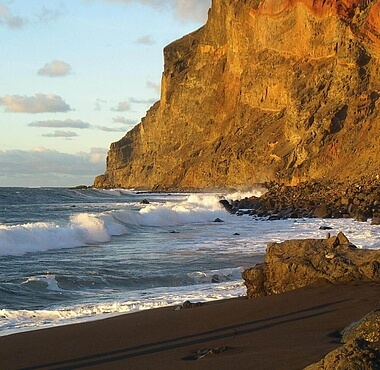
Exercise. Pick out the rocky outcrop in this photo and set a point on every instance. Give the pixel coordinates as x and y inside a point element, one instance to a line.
<point>266,90</point>
<point>356,354</point>
<point>322,199</point>
<point>296,263</point>
<point>367,328</point>
<point>361,349</point>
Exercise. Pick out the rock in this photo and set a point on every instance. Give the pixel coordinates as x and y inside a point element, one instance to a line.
<point>225,203</point>
<point>218,220</point>
<point>145,201</point>
<point>264,91</point>
<point>322,211</point>
<point>367,328</point>
<point>355,354</point>
<point>188,304</point>
<point>316,199</point>
<point>361,349</point>
<point>361,217</point>
<point>294,264</point>
<point>203,352</point>
<point>375,220</point>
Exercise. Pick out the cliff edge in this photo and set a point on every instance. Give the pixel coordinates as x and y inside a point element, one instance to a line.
<point>266,90</point>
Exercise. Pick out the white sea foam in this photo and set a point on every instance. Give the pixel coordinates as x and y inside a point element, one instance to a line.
<point>83,229</point>
<point>49,280</point>
<point>168,268</point>
<point>21,320</point>
<point>86,228</point>
<point>217,276</point>
<point>256,191</point>
<point>194,209</point>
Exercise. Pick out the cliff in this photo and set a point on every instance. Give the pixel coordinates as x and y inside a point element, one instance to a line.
<point>284,90</point>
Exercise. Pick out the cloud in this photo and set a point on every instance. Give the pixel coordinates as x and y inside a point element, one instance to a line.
<point>48,15</point>
<point>56,68</point>
<point>99,103</point>
<point>184,10</point>
<point>58,133</point>
<point>123,106</point>
<point>10,20</point>
<point>145,40</point>
<point>96,155</point>
<point>61,123</point>
<point>110,129</point>
<point>45,167</point>
<point>195,10</point>
<point>123,120</point>
<point>145,101</point>
<point>154,86</point>
<point>39,103</point>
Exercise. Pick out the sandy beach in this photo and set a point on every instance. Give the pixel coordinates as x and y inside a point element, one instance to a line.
<point>286,331</point>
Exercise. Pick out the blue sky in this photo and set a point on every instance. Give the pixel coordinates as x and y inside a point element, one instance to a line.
<point>76,75</point>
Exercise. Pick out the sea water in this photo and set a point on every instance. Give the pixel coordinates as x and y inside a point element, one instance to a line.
<point>69,255</point>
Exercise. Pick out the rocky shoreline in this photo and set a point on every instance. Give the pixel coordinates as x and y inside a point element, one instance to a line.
<point>295,264</point>
<point>360,349</point>
<point>322,199</point>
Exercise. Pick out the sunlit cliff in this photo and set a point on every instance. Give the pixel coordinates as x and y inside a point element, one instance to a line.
<point>284,90</point>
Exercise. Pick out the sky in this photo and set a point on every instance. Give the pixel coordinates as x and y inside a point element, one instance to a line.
<point>75,76</point>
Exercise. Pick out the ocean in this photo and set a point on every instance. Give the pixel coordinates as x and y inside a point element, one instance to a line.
<point>70,255</point>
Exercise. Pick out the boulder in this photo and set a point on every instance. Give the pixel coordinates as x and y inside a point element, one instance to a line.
<point>367,328</point>
<point>321,199</point>
<point>361,349</point>
<point>294,264</point>
<point>355,354</point>
<point>375,220</point>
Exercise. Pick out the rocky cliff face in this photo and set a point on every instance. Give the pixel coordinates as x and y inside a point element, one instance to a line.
<point>284,90</point>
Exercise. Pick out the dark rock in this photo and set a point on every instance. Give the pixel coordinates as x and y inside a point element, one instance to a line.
<point>322,211</point>
<point>145,201</point>
<point>218,220</point>
<point>325,228</point>
<point>361,218</point>
<point>188,304</point>
<point>203,352</point>
<point>226,205</point>
<point>322,199</point>
<point>375,220</point>
<point>274,218</point>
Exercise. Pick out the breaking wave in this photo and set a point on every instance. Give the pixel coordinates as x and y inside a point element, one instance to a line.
<point>83,229</point>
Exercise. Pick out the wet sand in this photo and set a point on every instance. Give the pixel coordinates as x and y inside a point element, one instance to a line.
<point>286,331</point>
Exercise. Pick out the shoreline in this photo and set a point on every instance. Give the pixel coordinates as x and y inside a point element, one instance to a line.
<point>286,331</point>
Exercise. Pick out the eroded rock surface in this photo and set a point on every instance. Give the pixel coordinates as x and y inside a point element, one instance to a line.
<point>266,90</point>
<point>361,349</point>
<point>356,354</point>
<point>367,328</point>
<point>294,264</point>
